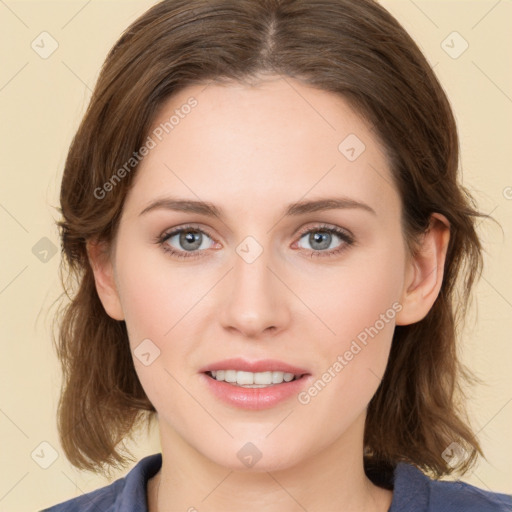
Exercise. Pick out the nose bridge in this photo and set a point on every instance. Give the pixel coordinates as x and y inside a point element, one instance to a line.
<point>254,302</point>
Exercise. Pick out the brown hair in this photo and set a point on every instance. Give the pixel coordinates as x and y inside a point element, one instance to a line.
<point>355,49</point>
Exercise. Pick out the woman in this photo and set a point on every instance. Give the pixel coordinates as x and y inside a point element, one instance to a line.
<point>262,209</point>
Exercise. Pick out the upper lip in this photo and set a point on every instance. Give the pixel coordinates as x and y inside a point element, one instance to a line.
<point>263,365</point>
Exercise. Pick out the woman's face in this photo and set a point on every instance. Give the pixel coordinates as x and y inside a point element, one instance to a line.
<point>264,280</point>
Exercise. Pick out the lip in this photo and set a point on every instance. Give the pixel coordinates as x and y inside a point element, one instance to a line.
<point>263,365</point>
<point>254,398</point>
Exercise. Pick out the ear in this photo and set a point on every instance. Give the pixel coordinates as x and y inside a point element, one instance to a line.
<point>424,272</point>
<point>101,263</point>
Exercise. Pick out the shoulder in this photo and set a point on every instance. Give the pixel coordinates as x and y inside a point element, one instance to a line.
<point>414,491</point>
<point>127,494</point>
<point>455,496</point>
<point>101,499</point>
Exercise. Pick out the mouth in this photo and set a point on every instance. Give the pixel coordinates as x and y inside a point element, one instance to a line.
<point>246,379</point>
<point>255,385</point>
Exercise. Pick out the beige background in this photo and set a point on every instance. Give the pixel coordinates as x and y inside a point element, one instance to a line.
<point>42,101</point>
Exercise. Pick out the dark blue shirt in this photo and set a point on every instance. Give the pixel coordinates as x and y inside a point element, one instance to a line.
<point>412,492</point>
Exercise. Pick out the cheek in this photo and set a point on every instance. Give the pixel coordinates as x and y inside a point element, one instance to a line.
<point>352,297</point>
<point>146,307</point>
<point>161,304</point>
<point>157,303</point>
<point>359,304</point>
<point>154,296</point>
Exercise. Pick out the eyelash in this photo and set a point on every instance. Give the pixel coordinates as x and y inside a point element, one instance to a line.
<point>347,239</point>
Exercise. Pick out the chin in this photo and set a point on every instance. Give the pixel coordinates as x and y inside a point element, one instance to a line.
<point>255,456</point>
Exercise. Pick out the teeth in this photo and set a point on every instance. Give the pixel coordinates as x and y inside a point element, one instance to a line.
<point>252,380</point>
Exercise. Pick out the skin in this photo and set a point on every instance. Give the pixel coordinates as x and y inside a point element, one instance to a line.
<point>252,150</point>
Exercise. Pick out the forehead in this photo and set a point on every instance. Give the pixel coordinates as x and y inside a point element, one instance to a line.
<point>272,143</point>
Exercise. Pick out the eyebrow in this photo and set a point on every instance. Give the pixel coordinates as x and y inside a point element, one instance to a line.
<point>294,209</point>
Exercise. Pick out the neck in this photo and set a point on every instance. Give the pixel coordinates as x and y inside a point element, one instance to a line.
<point>333,479</point>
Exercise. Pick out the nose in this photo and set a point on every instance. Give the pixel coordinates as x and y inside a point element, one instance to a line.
<point>256,301</point>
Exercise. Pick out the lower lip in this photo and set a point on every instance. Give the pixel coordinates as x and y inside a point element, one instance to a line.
<point>255,398</point>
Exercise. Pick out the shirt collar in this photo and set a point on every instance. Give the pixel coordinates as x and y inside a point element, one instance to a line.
<point>410,487</point>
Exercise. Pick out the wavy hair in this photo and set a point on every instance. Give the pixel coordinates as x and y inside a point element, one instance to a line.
<point>356,49</point>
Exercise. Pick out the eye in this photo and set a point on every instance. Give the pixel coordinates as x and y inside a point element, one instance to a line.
<point>185,242</point>
<point>321,239</point>
<point>190,241</point>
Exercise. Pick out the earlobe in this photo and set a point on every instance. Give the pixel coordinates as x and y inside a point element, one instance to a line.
<point>425,272</point>
<point>103,270</point>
